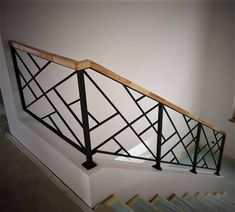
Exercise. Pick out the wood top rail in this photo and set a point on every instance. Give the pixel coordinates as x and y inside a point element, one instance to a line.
<point>79,65</point>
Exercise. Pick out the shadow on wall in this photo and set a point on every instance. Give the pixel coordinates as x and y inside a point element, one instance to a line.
<point>2,110</point>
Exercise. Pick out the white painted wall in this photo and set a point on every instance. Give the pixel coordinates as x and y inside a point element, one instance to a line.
<point>218,86</point>
<point>161,46</point>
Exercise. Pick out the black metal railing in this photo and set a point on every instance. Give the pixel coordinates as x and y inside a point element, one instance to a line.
<point>165,135</point>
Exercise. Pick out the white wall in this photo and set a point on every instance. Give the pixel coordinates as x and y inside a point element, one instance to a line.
<point>218,86</point>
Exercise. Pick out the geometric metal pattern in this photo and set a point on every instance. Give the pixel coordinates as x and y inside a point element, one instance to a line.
<point>202,147</point>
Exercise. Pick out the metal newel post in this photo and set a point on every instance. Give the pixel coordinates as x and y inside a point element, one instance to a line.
<point>199,128</point>
<point>220,156</point>
<point>159,137</point>
<point>18,77</point>
<point>89,164</point>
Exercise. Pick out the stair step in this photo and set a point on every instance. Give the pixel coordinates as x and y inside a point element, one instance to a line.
<point>139,204</point>
<point>112,203</point>
<point>164,205</point>
<point>212,203</point>
<point>180,203</point>
<point>197,203</point>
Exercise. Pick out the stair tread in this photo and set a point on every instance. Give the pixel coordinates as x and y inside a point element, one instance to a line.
<point>164,205</point>
<point>183,205</point>
<point>198,204</point>
<point>113,202</point>
<point>139,204</point>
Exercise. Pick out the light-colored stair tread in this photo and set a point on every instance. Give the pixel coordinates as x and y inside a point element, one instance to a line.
<point>164,205</point>
<point>139,204</point>
<point>198,204</point>
<point>213,203</point>
<point>180,203</point>
<point>116,205</point>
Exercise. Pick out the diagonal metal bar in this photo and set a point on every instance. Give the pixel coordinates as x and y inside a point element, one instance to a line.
<point>125,127</point>
<point>75,145</point>
<point>35,63</point>
<point>50,102</point>
<point>50,89</point>
<point>124,119</point>
<point>140,98</point>
<point>176,144</point>
<point>34,76</point>
<point>118,143</point>
<point>175,158</point>
<point>102,122</point>
<point>168,138</point>
<point>210,149</point>
<point>142,111</point>
<point>22,76</point>
<point>55,125</point>
<point>191,132</point>
<point>118,150</point>
<point>181,140</point>
<point>94,119</point>
<point>69,109</point>
<point>216,140</point>
<point>123,155</point>
<point>150,126</point>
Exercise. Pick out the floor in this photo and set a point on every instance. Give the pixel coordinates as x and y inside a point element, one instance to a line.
<point>23,186</point>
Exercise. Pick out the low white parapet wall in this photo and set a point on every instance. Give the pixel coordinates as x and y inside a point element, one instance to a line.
<point>123,179</point>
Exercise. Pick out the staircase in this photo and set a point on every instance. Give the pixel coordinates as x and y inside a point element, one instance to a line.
<point>103,124</point>
<point>199,202</point>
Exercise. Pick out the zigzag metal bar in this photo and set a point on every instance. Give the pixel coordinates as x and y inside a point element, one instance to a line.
<point>181,140</point>
<point>94,83</point>
<point>194,138</point>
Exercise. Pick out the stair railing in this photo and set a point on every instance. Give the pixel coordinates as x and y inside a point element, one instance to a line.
<point>202,142</point>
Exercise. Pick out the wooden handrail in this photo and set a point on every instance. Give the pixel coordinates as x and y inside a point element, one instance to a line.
<point>79,65</point>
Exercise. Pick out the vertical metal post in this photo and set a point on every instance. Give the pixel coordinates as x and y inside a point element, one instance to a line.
<point>18,78</point>
<point>159,137</point>
<point>220,156</point>
<point>199,128</point>
<point>89,164</point>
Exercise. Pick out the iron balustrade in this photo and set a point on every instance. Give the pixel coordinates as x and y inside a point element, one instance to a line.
<point>202,144</point>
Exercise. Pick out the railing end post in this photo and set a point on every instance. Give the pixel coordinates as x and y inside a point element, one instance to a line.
<point>217,173</point>
<point>157,166</point>
<point>193,170</point>
<point>89,165</point>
